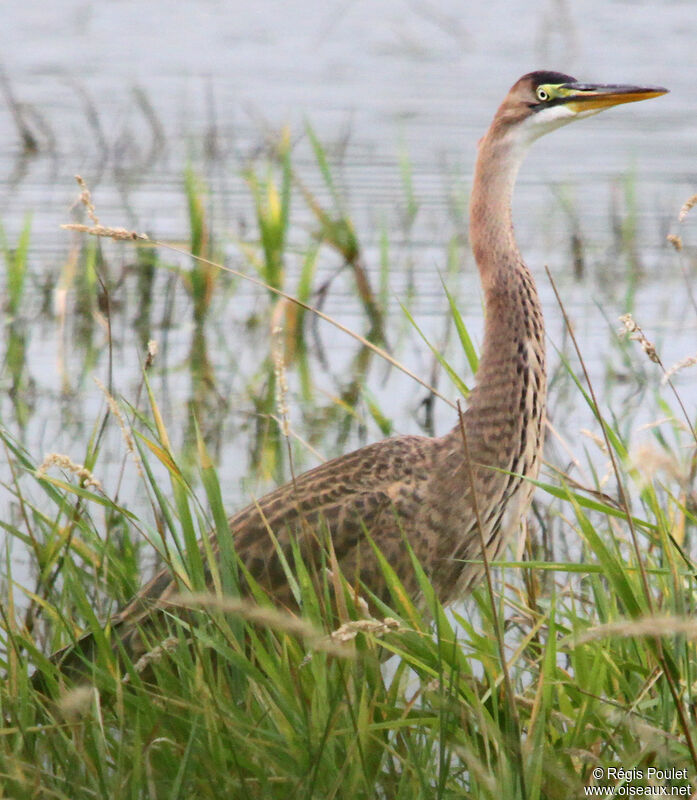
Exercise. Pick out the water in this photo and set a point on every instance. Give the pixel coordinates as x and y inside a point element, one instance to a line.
<point>127,94</point>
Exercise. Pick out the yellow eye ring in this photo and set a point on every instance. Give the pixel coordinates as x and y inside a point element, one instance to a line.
<point>542,94</point>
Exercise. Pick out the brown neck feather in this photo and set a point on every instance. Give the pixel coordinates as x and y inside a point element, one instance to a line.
<point>513,351</point>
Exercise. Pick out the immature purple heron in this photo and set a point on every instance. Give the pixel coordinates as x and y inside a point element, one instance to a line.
<point>414,487</point>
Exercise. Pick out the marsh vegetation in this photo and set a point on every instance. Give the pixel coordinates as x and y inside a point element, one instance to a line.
<point>593,606</point>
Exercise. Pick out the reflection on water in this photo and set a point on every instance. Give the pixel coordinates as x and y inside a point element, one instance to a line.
<point>360,215</point>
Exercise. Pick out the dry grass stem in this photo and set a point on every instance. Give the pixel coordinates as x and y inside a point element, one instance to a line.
<point>597,440</point>
<point>649,462</point>
<point>126,235</point>
<point>656,423</point>
<point>167,645</point>
<point>150,356</point>
<point>123,425</point>
<point>279,368</point>
<point>97,229</point>
<point>86,200</point>
<point>120,234</point>
<point>675,240</point>
<point>379,351</point>
<point>690,361</point>
<point>636,334</point>
<point>75,703</point>
<point>691,202</point>
<point>349,630</point>
<point>262,615</point>
<point>306,445</point>
<point>62,461</point>
<point>647,626</point>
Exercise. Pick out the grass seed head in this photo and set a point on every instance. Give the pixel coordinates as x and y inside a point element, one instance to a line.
<point>64,462</point>
<point>689,361</point>
<point>636,334</point>
<point>281,380</point>
<point>691,202</point>
<point>123,425</point>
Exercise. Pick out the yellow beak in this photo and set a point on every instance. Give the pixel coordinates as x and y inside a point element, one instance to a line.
<point>586,96</point>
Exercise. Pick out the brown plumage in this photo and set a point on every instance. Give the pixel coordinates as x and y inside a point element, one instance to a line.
<point>416,487</point>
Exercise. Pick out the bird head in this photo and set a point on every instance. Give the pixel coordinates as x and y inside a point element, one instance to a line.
<point>540,102</point>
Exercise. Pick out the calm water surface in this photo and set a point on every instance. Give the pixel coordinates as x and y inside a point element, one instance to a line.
<point>129,94</point>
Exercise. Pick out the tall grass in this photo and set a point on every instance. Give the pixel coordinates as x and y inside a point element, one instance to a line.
<point>242,697</point>
<point>238,699</point>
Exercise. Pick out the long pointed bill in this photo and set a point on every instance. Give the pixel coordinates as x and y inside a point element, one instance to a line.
<point>587,96</point>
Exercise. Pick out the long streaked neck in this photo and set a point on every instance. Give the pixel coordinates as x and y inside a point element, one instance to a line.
<point>514,329</point>
<point>491,225</point>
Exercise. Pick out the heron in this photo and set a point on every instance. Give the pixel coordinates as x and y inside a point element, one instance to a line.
<point>441,497</point>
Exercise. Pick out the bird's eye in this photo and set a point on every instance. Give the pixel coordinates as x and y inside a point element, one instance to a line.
<point>542,94</point>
